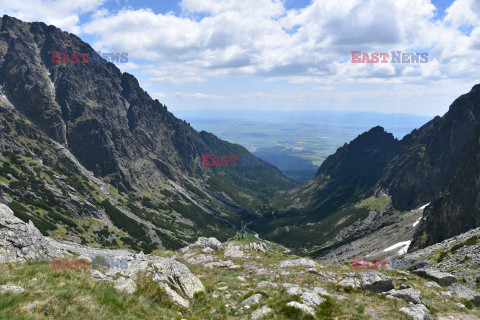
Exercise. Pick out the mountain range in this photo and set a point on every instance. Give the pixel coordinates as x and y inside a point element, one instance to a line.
<point>88,156</point>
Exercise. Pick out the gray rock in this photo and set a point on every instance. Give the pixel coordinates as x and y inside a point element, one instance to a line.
<point>166,270</point>
<point>417,312</point>
<point>11,288</point>
<point>442,278</point>
<point>300,306</point>
<point>100,276</point>
<point>297,263</point>
<point>220,264</point>
<point>234,250</point>
<point>171,275</point>
<point>320,291</point>
<point>403,286</point>
<point>375,281</point>
<point>208,250</point>
<point>260,313</point>
<point>463,292</point>
<point>20,241</point>
<point>125,284</point>
<point>409,295</point>
<point>267,284</point>
<point>252,300</point>
<point>294,290</point>
<point>176,298</point>
<point>350,281</point>
<point>203,243</point>
<point>311,299</point>
<point>447,294</point>
<point>256,246</point>
<point>432,284</point>
<point>30,307</point>
<point>311,270</point>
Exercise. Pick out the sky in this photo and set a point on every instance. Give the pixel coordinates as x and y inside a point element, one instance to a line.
<point>281,54</point>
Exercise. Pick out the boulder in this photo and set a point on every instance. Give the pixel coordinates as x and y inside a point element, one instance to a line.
<point>306,309</point>
<point>170,274</point>
<point>176,298</point>
<point>350,282</point>
<point>311,299</point>
<point>125,284</point>
<point>417,312</point>
<point>211,242</point>
<point>100,276</point>
<point>234,250</point>
<point>166,270</point>
<point>375,281</point>
<point>294,290</point>
<point>311,270</point>
<point>220,264</point>
<point>432,284</point>
<point>11,288</point>
<point>20,241</point>
<point>208,250</point>
<point>260,313</point>
<point>256,246</point>
<point>442,278</point>
<point>252,300</point>
<point>267,284</point>
<point>463,292</point>
<point>409,295</point>
<point>297,263</point>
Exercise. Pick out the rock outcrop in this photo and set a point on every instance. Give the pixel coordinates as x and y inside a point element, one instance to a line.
<point>417,312</point>
<point>302,262</point>
<point>463,292</point>
<point>375,281</point>
<point>21,241</point>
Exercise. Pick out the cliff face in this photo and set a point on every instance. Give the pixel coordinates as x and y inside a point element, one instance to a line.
<point>458,209</point>
<point>429,156</point>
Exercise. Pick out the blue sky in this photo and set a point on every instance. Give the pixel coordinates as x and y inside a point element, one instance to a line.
<point>281,55</point>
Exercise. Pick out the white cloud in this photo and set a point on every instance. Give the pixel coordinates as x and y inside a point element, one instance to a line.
<point>197,95</point>
<point>464,12</point>
<point>158,95</point>
<point>64,14</point>
<point>262,40</point>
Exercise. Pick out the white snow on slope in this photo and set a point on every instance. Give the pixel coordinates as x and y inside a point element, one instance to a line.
<point>423,207</point>
<point>403,245</point>
<point>417,222</point>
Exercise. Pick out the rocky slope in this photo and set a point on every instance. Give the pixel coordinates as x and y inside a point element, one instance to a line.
<point>214,280</point>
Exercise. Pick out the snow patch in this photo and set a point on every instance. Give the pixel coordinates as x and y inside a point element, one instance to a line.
<point>417,222</point>
<point>423,207</point>
<point>403,245</point>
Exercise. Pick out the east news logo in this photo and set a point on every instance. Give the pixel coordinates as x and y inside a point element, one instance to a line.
<point>92,57</point>
<point>382,57</point>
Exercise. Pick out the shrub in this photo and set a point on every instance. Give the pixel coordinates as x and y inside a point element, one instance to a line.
<point>327,308</point>
<point>468,304</point>
<point>442,256</point>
